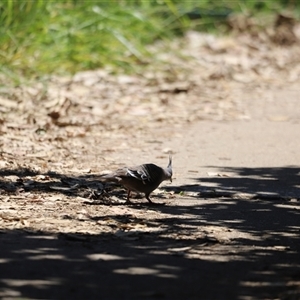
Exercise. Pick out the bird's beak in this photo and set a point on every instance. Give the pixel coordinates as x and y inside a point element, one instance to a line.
<point>170,179</point>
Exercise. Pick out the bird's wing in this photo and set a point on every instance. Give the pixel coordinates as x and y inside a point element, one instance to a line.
<point>139,173</point>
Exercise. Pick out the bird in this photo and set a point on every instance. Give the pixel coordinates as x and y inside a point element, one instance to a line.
<point>144,178</point>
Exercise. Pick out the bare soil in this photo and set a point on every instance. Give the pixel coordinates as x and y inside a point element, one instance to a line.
<point>227,110</point>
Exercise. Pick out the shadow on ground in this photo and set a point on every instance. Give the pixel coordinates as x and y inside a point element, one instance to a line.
<point>208,248</point>
<point>281,182</point>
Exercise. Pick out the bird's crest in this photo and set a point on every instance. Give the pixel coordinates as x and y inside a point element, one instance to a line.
<point>170,163</point>
<point>169,168</point>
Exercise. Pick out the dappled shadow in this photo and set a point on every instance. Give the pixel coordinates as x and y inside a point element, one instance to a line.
<point>223,247</point>
<point>23,179</point>
<point>261,182</point>
<point>283,182</point>
<point>99,267</point>
<point>88,186</point>
<point>173,263</point>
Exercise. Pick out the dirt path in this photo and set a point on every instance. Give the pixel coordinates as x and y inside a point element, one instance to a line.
<point>229,228</point>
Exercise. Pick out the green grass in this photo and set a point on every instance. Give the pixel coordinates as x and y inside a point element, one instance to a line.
<point>39,37</point>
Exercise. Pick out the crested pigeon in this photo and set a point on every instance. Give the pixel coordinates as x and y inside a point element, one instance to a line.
<point>143,178</point>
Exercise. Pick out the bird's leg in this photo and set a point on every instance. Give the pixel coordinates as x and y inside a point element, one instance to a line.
<point>148,198</point>
<point>128,195</point>
<point>151,202</point>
